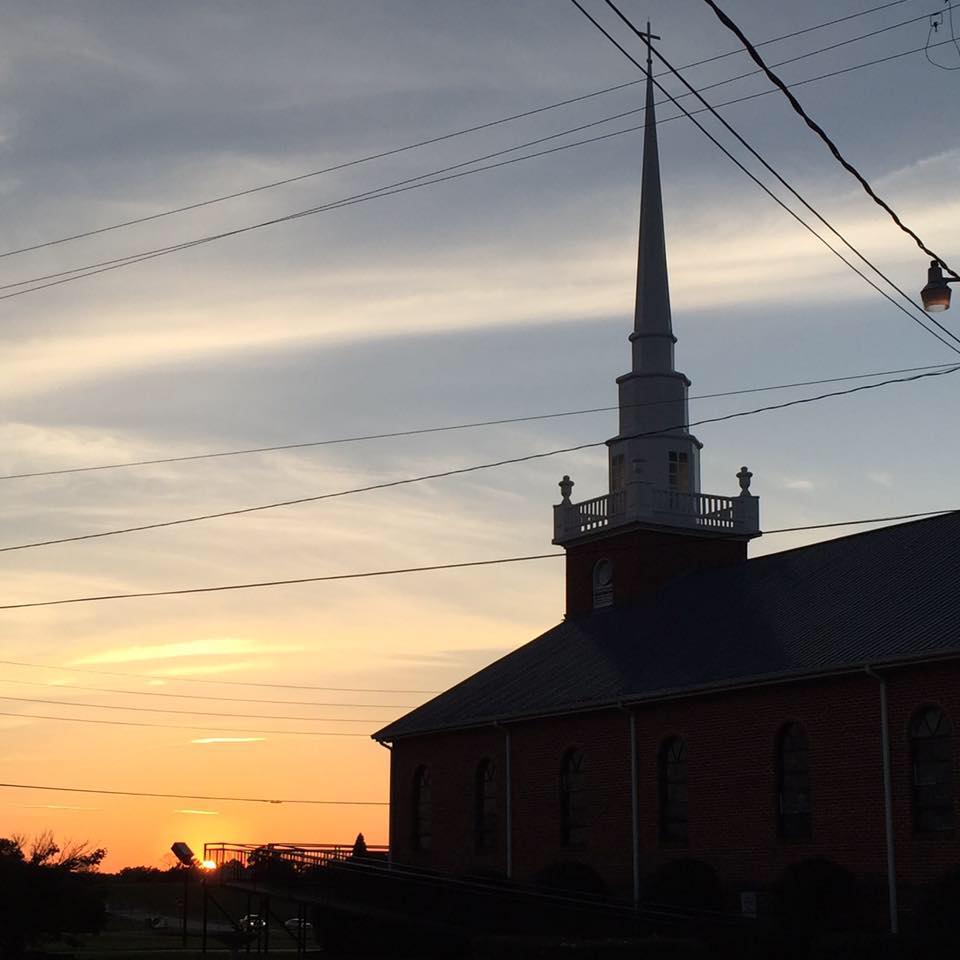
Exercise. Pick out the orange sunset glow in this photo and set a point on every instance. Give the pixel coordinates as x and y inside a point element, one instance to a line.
<point>286,382</point>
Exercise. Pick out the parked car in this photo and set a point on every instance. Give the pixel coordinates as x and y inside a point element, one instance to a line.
<point>252,923</point>
<point>296,923</point>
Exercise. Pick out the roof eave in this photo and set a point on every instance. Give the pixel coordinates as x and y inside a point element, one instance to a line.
<point>676,693</point>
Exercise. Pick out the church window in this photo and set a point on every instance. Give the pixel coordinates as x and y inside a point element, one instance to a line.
<point>931,749</point>
<point>573,819</point>
<point>486,805</point>
<point>673,791</point>
<point>793,783</point>
<point>422,809</point>
<point>616,472</point>
<point>678,471</point>
<point>602,584</point>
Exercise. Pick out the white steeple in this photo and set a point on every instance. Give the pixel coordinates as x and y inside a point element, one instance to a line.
<point>654,459</point>
<point>653,396</point>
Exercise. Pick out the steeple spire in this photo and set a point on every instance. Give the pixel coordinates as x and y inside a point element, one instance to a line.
<point>654,460</point>
<point>652,336</point>
<point>653,447</point>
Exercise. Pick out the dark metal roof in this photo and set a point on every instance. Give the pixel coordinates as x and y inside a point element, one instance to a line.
<point>891,594</point>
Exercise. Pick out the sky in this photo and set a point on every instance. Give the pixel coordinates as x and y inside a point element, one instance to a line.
<point>502,294</point>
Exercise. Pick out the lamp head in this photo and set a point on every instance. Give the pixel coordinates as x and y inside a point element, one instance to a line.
<point>936,294</point>
<point>183,853</point>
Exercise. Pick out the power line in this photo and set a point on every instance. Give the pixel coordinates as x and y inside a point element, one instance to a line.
<point>191,796</point>
<point>854,523</point>
<point>170,726</point>
<point>753,177</point>
<point>424,569</point>
<point>196,713</point>
<point>449,427</point>
<point>280,583</point>
<point>822,134</point>
<point>471,469</point>
<point>372,194</point>
<point>231,683</point>
<point>790,188</point>
<point>439,139</point>
<point>190,696</point>
<point>410,183</point>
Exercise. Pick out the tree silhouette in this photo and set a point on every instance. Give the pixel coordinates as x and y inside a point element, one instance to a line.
<point>48,892</point>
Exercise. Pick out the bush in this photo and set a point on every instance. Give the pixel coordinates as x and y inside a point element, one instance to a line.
<point>571,876</point>
<point>817,897</point>
<point>689,884</point>
<point>559,948</point>
<point>46,893</point>
<point>859,946</point>
<point>939,908</point>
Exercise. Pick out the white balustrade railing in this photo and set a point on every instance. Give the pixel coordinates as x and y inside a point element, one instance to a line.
<point>598,512</point>
<point>702,511</point>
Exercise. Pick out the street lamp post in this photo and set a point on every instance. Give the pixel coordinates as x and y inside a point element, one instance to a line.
<point>936,294</point>
<point>187,863</point>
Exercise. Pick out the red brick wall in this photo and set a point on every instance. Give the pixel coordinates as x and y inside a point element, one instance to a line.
<point>732,783</point>
<point>643,560</point>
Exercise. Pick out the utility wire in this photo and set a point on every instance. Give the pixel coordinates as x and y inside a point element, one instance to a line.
<point>281,583</point>
<point>822,134</point>
<point>93,269</point>
<point>432,140</point>
<point>471,469</point>
<point>149,254</point>
<point>136,257</point>
<point>194,696</point>
<point>853,523</point>
<point>170,726</point>
<point>196,713</point>
<point>789,187</point>
<point>456,426</point>
<point>191,796</point>
<point>425,569</point>
<point>231,683</point>
<point>757,180</point>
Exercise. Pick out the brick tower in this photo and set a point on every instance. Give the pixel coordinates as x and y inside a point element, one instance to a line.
<point>654,523</point>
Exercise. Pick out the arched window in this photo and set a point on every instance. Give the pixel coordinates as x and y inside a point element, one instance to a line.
<point>602,584</point>
<point>931,750</point>
<point>573,818</point>
<point>422,809</point>
<point>673,791</point>
<point>486,805</point>
<point>793,783</point>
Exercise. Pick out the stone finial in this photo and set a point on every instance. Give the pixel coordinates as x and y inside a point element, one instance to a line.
<point>566,488</point>
<point>744,476</point>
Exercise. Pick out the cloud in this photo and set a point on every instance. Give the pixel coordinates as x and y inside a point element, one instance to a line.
<point>208,647</point>
<point>229,740</point>
<point>200,813</point>
<point>881,478</point>
<point>799,484</point>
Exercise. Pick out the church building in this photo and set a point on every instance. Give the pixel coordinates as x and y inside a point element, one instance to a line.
<point>695,704</point>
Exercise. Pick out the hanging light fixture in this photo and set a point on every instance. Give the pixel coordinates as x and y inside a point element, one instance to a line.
<point>936,294</point>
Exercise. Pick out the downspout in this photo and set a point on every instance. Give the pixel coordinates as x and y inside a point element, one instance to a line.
<point>634,805</point>
<point>887,800</point>
<point>508,788</point>
<point>635,808</point>
<point>389,747</point>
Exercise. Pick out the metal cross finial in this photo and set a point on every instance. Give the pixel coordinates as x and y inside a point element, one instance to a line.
<point>648,36</point>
